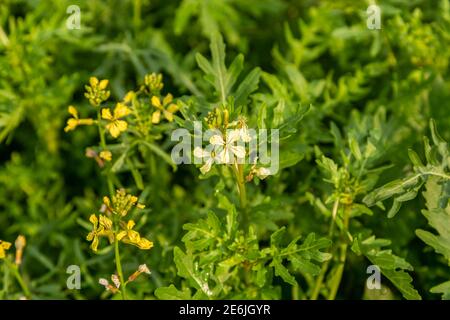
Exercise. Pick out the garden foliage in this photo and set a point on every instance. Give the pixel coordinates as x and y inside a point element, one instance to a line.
<point>88,177</point>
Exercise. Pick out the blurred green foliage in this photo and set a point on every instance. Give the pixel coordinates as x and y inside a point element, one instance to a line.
<point>349,101</point>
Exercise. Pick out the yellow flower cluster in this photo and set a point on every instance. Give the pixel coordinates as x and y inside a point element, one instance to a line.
<point>96,91</point>
<point>116,229</point>
<point>153,84</point>
<point>121,203</point>
<point>167,108</point>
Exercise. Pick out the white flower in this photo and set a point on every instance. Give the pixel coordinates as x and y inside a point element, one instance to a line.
<point>262,173</point>
<point>226,148</point>
<point>201,153</point>
<point>115,280</point>
<point>103,282</point>
<point>144,269</point>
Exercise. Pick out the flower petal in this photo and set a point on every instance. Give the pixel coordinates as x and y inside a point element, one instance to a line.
<point>106,114</point>
<point>172,108</point>
<point>207,166</point>
<point>233,136</point>
<point>217,140</point>
<point>121,111</point>
<point>93,219</point>
<point>200,153</point>
<point>156,102</point>
<point>167,99</point>
<point>156,117</point>
<point>239,151</point>
<point>168,116</point>
<point>73,111</point>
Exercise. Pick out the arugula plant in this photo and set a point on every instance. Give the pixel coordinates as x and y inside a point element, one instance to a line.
<point>432,176</point>
<point>347,103</point>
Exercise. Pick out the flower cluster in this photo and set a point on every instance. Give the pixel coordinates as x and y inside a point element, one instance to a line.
<point>96,91</point>
<point>111,224</point>
<point>167,108</point>
<point>228,143</point>
<point>153,84</point>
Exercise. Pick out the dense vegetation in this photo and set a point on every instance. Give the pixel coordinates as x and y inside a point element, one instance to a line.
<point>88,177</point>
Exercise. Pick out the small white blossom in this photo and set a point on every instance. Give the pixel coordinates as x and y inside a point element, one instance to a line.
<point>226,150</point>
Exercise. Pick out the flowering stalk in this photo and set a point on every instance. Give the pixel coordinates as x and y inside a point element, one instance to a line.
<point>238,170</point>
<point>103,145</point>
<point>15,270</point>
<point>325,265</point>
<point>119,268</point>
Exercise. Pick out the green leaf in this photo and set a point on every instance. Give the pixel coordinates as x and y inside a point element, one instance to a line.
<point>438,218</point>
<point>282,272</point>
<point>392,267</point>
<point>172,293</point>
<point>443,288</point>
<point>247,86</point>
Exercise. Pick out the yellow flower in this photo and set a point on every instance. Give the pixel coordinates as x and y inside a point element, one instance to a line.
<point>99,229</point>
<point>166,107</point>
<point>96,91</point>
<point>3,247</point>
<point>129,97</point>
<point>130,236</point>
<point>116,126</point>
<point>106,155</point>
<point>73,122</point>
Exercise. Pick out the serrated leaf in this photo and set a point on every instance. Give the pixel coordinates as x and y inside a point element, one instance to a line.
<point>391,266</point>
<point>282,272</point>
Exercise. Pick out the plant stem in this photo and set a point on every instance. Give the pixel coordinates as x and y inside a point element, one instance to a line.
<point>325,265</point>
<point>119,269</point>
<point>15,270</point>
<point>342,258</point>
<point>238,170</point>
<point>137,14</point>
<point>103,145</point>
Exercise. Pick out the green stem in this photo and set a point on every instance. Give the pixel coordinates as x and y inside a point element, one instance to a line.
<point>137,14</point>
<point>15,270</point>
<point>326,264</point>
<point>119,269</point>
<point>342,258</point>
<point>238,170</point>
<point>103,146</point>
